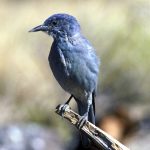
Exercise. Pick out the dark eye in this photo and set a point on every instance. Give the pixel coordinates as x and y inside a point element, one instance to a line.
<point>54,23</point>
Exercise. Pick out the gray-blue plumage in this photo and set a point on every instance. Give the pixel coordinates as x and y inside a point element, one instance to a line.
<point>74,66</point>
<point>73,62</point>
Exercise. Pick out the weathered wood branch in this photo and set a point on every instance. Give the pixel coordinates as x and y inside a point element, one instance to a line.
<point>99,138</point>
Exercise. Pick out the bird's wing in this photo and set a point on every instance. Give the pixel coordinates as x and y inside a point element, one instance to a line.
<point>82,65</point>
<point>64,62</point>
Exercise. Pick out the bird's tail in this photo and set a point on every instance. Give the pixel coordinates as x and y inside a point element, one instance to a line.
<point>91,117</point>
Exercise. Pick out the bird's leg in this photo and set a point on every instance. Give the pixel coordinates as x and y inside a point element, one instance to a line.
<point>84,118</point>
<point>68,101</point>
<point>63,106</point>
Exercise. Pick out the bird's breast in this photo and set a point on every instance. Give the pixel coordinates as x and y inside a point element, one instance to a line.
<point>73,69</point>
<point>60,67</point>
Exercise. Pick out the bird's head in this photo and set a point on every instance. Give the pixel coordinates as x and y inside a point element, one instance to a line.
<point>59,25</point>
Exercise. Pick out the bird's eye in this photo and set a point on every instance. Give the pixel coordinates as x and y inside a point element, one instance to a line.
<point>54,23</point>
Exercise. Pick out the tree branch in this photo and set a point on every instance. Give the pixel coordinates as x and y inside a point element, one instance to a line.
<point>99,138</point>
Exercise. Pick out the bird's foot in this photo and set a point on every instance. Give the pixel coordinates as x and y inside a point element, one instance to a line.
<point>62,109</point>
<point>82,121</point>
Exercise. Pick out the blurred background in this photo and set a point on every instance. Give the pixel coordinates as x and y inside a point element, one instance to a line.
<point>120,32</point>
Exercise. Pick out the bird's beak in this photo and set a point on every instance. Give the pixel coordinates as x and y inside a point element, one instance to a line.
<point>39,28</point>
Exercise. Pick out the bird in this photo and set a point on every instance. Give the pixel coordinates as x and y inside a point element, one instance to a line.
<point>74,64</point>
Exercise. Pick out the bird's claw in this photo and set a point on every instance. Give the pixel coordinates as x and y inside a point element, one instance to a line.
<point>62,109</point>
<point>82,121</point>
